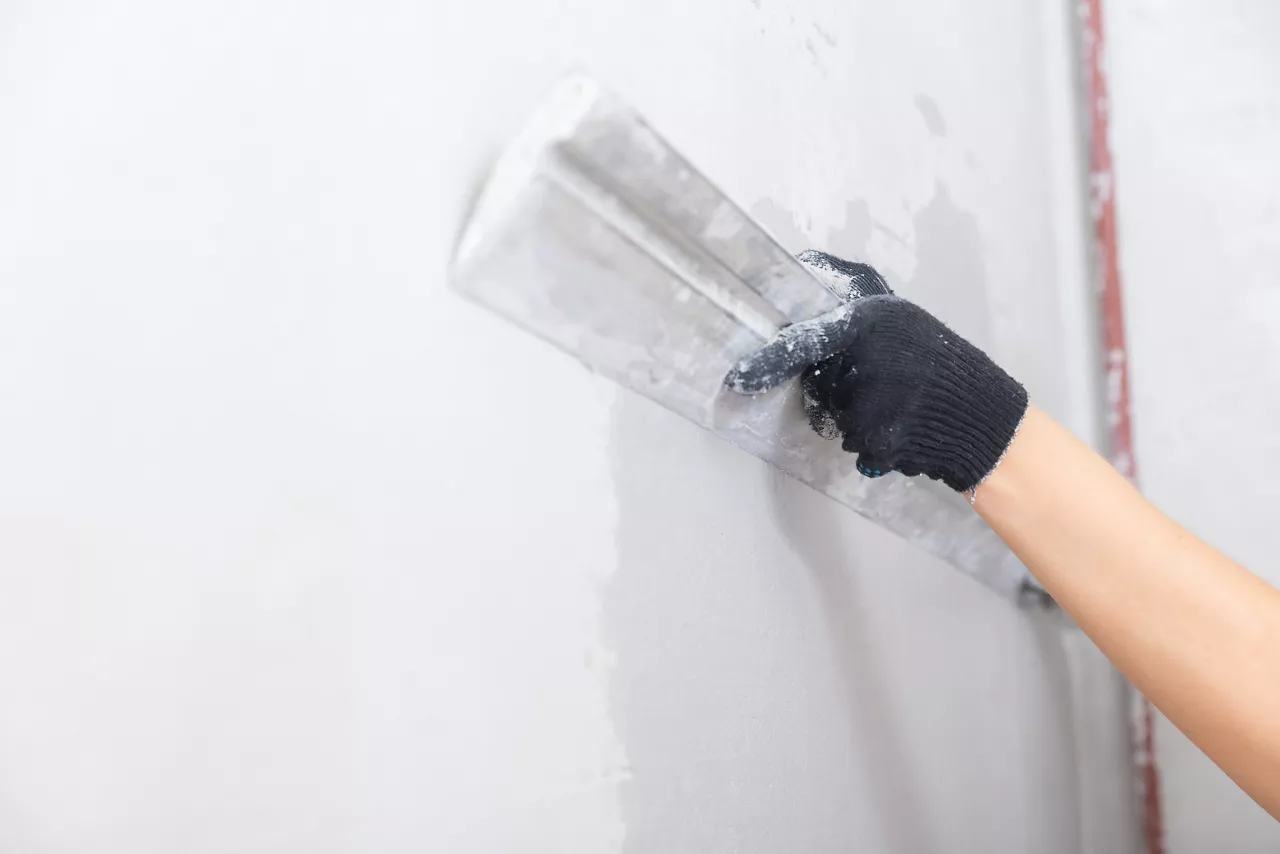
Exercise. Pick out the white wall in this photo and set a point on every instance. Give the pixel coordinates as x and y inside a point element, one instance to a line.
<point>1195,134</point>
<point>299,552</point>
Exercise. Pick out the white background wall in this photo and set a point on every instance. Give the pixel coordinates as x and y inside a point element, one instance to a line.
<point>1196,139</point>
<point>298,552</point>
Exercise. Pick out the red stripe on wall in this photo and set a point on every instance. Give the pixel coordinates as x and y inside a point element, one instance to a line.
<point>1119,424</point>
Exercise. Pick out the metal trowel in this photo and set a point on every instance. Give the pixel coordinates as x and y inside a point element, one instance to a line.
<point>593,233</point>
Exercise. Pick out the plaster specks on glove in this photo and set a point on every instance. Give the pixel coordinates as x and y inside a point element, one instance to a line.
<point>900,389</point>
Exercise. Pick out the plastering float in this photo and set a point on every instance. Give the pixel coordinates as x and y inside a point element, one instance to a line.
<point>595,234</point>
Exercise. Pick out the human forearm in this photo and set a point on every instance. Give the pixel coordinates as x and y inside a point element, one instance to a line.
<point>1196,633</point>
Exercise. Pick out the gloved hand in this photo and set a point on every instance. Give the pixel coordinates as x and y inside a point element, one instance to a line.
<point>905,392</point>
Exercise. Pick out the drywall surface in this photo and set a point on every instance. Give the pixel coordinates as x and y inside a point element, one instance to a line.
<point>299,552</point>
<point>1195,131</point>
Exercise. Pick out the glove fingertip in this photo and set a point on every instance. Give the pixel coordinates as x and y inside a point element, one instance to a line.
<point>792,350</point>
<point>747,378</point>
<point>848,280</point>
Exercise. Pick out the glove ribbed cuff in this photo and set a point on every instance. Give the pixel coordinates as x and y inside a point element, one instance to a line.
<point>965,423</point>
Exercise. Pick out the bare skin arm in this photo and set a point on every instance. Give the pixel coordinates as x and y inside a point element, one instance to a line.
<point>1196,633</point>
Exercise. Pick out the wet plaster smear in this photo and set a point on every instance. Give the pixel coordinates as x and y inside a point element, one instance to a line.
<point>299,552</point>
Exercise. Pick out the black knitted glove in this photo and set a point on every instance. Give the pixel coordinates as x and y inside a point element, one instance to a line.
<point>905,392</point>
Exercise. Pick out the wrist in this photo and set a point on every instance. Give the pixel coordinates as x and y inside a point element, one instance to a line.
<point>1002,487</point>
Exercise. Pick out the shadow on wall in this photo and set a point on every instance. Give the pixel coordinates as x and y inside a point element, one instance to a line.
<point>807,519</point>
<point>749,701</point>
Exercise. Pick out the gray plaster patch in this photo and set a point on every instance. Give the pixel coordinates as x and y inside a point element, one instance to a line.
<point>950,278</point>
<point>931,114</point>
<point>849,241</point>
<point>783,225</point>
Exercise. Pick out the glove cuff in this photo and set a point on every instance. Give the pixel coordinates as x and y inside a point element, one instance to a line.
<point>968,418</point>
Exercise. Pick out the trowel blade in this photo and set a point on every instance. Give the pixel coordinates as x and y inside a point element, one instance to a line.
<point>593,233</point>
